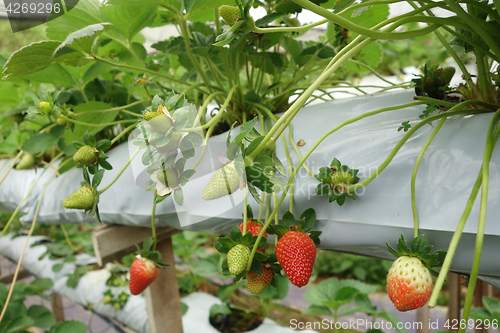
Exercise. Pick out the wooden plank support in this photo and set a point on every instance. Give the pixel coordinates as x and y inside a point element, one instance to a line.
<point>112,242</point>
<point>455,297</point>
<point>7,279</point>
<point>57,307</point>
<point>423,316</point>
<point>162,296</point>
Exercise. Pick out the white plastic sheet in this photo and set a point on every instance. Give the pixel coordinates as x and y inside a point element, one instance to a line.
<point>383,212</point>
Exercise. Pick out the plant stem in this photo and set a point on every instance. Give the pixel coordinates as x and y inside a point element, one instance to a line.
<point>66,236</point>
<point>11,166</point>
<point>362,30</point>
<point>458,232</point>
<point>488,152</point>
<point>405,138</point>
<point>306,27</point>
<point>153,227</point>
<point>414,175</point>
<point>16,273</point>
<point>120,172</point>
<point>101,124</point>
<point>119,108</point>
<point>28,193</point>
<point>119,136</point>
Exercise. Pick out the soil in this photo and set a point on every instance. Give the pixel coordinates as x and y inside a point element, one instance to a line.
<point>236,322</point>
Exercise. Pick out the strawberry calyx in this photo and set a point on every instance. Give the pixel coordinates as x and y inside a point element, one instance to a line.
<point>147,254</point>
<point>420,249</point>
<point>304,224</point>
<point>334,180</point>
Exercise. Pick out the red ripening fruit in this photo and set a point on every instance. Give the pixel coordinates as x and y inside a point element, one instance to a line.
<point>257,283</point>
<point>409,283</point>
<point>296,253</point>
<point>142,273</point>
<point>254,228</point>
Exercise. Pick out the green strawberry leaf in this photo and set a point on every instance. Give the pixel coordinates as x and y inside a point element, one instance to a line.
<point>260,256</point>
<point>309,215</point>
<point>419,245</point>
<point>247,239</point>
<point>147,244</point>
<point>97,178</point>
<point>323,189</point>
<point>277,230</point>
<point>226,242</point>
<point>86,176</point>
<point>179,196</point>
<point>279,166</point>
<point>89,139</point>
<point>324,174</point>
<point>262,243</point>
<point>256,267</point>
<point>103,145</point>
<point>288,219</point>
<point>221,248</point>
<point>402,247</point>
<point>394,252</point>
<point>249,212</point>
<point>301,224</point>
<point>335,164</point>
<point>235,234</point>
<point>254,193</point>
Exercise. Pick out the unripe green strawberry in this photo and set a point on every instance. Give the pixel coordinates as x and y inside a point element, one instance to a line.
<point>44,107</point>
<point>86,155</point>
<point>257,283</point>
<point>409,283</point>
<point>159,120</point>
<point>230,14</point>
<point>342,177</point>
<point>117,306</point>
<point>173,144</point>
<point>296,253</point>
<point>61,121</point>
<point>237,258</point>
<point>107,299</point>
<point>123,297</point>
<point>447,74</point>
<point>169,177</point>
<point>27,161</point>
<point>83,198</point>
<point>225,181</point>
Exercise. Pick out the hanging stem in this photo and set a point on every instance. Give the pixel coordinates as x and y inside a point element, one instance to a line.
<point>414,175</point>
<point>120,172</point>
<point>16,273</point>
<point>153,227</point>
<point>458,232</point>
<point>488,151</point>
<point>66,236</point>
<point>11,166</point>
<point>28,193</point>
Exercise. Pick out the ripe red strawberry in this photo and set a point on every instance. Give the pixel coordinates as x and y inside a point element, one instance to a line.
<point>257,283</point>
<point>254,228</point>
<point>409,283</point>
<point>142,273</point>
<point>296,253</point>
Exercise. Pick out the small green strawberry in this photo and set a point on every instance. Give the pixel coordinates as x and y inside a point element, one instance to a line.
<point>224,182</point>
<point>257,283</point>
<point>107,299</point>
<point>83,198</point>
<point>45,107</point>
<point>123,297</point>
<point>230,14</point>
<point>117,306</point>
<point>160,120</point>
<point>237,258</point>
<point>334,180</point>
<point>61,121</point>
<point>86,155</point>
<point>27,161</point>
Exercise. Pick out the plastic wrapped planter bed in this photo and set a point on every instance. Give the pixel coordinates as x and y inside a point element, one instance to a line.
<point>92,285</point>
<point>446,176</point>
